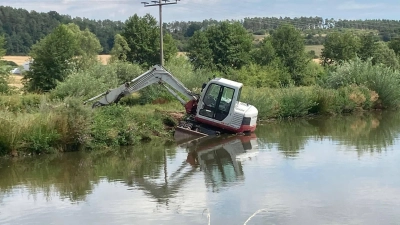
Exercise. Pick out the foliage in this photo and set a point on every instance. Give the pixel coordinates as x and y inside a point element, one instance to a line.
<point>384,55</point>
<point>95,80</point>
<point>23,28</point>
<point>395,45</point>
<point>255,75</point>
<point>4,88</point>
<point>289,48</point>
<point>265,54</point>
<point>340,47</point>
<point>26,103</point>
<point>383,80</point>
<point>120,49</point>
<point>192,28</point>
<point>200,53</point>
<point>8,63</point>
<point>55,56</point>
<point>69,126</point>
<point>222,47</point>
<point>184,71</point>
<point>88,47</point>
<point>142,36</point>
<point>367,46</point>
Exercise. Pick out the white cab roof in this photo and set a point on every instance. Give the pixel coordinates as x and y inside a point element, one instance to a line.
<point>227,82</point>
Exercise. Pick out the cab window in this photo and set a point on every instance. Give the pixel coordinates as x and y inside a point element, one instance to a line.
<point>217,102</point>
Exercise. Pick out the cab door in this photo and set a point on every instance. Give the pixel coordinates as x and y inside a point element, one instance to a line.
<point>217,102</point>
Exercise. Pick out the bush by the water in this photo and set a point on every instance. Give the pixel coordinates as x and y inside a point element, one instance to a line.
<point>383,80</point>
<point>302,101</point>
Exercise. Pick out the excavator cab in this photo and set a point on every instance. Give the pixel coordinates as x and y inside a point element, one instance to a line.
<point>220,105</point>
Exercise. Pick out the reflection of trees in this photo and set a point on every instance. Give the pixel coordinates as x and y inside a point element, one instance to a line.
<point>74,175</point>
<point>371,132</point>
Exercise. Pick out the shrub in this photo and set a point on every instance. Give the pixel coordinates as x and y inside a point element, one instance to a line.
<point>383,80</point>
<point>95,80</point>
<point>262,76</point>
<point>295,102</point>
<point>263,99</point>
<point>22,103</point>
<point>8,63</point>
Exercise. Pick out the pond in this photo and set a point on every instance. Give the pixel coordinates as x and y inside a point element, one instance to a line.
<point>335,170</point>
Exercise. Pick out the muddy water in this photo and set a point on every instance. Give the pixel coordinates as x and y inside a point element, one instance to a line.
<point>342,170</point>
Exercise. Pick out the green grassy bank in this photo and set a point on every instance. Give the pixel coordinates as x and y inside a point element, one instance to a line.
<point>58,121</point>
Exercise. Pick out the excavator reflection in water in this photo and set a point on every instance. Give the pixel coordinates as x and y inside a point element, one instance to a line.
<point>219,158</point>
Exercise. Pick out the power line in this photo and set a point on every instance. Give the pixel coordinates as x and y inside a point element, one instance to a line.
<point>160,4</point>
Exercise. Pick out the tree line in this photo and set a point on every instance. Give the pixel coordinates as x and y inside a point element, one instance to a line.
<point>225,49</point>
<point>22,28</point>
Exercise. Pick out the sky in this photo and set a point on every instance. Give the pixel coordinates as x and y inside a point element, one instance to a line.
<point>198,10</point>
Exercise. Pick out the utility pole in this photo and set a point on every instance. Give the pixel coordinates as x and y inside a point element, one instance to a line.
<point>160,3</point>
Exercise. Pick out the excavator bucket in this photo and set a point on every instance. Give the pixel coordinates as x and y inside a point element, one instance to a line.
<point>183,135</point>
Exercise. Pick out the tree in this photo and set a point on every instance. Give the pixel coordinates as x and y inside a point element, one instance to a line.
<point>367,46</point>
<point>4,88</point>
<point>56,55</point>
<point>88,47</point>
<point>200,53</point>
<point>192,28</point>
<point>228,45</point>
<point>143,37</point>
<point>340,47</point>
<point>289,47</point>
<point>265,54</point>
<point>384,55</point>
<point>395,45</point>
<point>120,49</point>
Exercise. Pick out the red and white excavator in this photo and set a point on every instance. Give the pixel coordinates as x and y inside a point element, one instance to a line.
<point>216,110</point>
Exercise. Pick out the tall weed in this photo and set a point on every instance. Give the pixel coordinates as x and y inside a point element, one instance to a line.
<point>22,103</point>
<point>295,102</point>
<point>263,99</point>
<point>383,80</point>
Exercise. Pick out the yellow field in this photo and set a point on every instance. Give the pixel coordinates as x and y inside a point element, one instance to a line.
<point>316,48</point>
<point>21,59</point>
<point>15,80</point>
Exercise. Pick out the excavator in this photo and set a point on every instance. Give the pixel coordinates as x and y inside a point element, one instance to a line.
<point>216,110</point>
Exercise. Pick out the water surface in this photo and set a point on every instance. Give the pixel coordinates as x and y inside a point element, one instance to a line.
<point>338,170</point>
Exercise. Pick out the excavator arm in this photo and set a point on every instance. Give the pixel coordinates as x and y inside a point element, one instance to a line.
<point>157,74</point>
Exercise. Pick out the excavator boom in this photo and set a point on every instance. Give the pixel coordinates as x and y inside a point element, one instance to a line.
<point>157,74</point>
